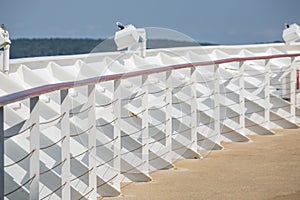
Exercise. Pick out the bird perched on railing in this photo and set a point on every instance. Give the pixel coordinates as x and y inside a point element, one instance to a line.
<point>120,25</point>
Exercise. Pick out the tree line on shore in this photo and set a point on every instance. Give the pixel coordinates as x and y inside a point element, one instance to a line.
<point>22,48</point>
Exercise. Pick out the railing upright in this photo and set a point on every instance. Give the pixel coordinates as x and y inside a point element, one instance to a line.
<point>194,108</point>
<point>267,93</point>
<point>217,122</point>
<point>145,125</point>
<point>117,131</point>
<point>92,141</point>
<point>65,143</point>
<point>293,89</point>
<point>34,168</point>
<point>2,181</point>
<point>169,91</point>
<point>242,95</point>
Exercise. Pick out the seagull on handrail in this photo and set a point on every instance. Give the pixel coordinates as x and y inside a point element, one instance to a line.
<point>286,25</point>
<point>120,25</point>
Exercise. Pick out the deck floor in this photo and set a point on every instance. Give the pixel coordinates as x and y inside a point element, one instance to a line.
<point>268,168</point>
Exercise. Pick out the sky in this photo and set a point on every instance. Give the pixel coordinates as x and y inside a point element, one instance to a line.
<point>215,21</point>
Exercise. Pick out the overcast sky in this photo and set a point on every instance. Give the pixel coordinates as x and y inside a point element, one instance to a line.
<point>217,21</point>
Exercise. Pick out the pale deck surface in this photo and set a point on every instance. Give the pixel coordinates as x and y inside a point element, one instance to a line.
<point>266,168</point>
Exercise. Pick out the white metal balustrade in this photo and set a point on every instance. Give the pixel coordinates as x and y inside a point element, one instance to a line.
<point>80,139</point>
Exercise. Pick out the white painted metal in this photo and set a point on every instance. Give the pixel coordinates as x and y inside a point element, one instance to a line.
<point>194,109</point>
<point>168,115</point>
<point>242,96</point>
<point>65,144</point>
<point>34,169</point>
<point>6,58</point>
<point>2,181</point>
<point>131,38</point>
<point>216,110</point>
<point>291,33</point>
<point>293,89</point>
<point>117,131</point>
<point>92,141</point>
<point>145,125</point>
<point>5,44</point>
<point>267,94</point>
<point>107,158</point>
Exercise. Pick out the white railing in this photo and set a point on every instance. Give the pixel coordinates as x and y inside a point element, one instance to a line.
<point>184,125</point>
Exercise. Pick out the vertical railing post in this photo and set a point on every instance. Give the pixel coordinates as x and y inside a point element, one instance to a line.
<point>145,125</point>
<point>34,167</point>
<point>65,144</point>
<point>6,56</point>
<point>217,124</point>
<point>267,94</point>
<point>242,96</point>
<point>293,89</point>
<point>168,116</point>
<point>92,141</point>
<point>193,109</point>
<point>117,129</point>
<point>2,152</point>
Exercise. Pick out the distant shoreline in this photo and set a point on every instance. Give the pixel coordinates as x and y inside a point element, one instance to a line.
<point>22,48</point>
